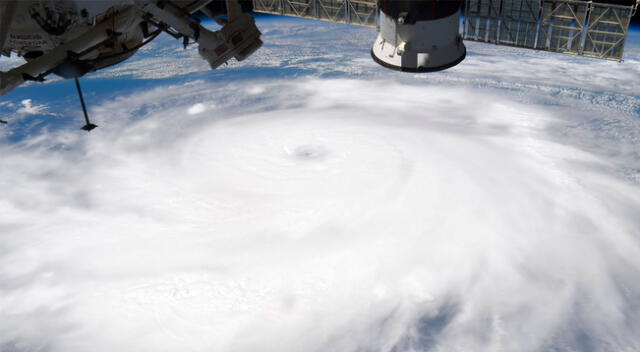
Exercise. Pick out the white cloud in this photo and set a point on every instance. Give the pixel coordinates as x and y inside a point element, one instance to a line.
<point>339,219</point>
<point>300,46</point>
<point>255,90</point>
<point>198,108</point>
<point>27,108</point>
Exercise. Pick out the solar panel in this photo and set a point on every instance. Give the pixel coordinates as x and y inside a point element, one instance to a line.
<point>588,28</point>
<point>607,30</point>
<point>568,26</point>
<point>358,12</point>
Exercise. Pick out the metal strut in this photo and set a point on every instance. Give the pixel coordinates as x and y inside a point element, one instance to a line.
<point>88,126</point>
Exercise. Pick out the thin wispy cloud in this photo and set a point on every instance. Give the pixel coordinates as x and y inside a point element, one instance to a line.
<point>28,108</point>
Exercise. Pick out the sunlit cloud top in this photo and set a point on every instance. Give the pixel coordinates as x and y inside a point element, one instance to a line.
<point>345,221</point>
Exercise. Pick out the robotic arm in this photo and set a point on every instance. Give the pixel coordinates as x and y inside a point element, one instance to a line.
<point>238,38</point>
<point>103,43</point>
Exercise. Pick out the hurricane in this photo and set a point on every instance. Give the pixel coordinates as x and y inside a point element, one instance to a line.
<point>317,215</point>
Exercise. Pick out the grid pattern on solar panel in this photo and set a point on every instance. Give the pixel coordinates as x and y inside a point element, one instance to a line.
<point>562,26</point>
<point>518,25</point>
<point>607,30</point>
<point>358,12</point>
<point>568,26</point>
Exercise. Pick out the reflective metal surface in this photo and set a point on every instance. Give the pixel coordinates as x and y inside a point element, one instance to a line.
<point>358,12</point>
<point>574,27</point>
<point>568,26</point>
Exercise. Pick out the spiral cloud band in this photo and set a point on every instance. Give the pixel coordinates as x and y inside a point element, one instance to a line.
<point>317,215</point>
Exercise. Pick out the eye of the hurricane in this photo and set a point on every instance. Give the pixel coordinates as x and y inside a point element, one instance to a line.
<point>308,152</point>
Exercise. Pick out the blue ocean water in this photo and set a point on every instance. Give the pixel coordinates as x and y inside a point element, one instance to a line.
<point>61,108</point>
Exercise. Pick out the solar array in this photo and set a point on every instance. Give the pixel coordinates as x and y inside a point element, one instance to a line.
<point>358,12</point>
<point>575,27</point>
<point>568,26</point>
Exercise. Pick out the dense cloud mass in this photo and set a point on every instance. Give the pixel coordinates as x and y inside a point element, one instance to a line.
<point>347,221</point>
<point>318,214</point>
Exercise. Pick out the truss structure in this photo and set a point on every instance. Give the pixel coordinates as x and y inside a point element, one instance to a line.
<point>574,27</point>
<point>568,26</point>
<point>357,12</point>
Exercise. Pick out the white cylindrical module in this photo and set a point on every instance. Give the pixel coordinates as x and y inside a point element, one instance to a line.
<point>419,35</point>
